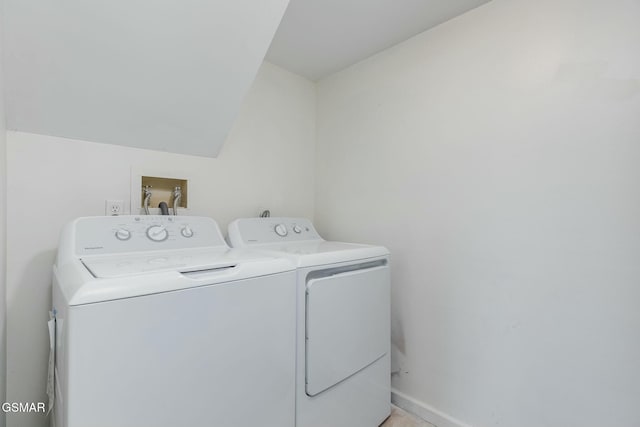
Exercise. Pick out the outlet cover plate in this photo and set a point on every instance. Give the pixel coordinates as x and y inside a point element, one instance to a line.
<point>114,207</point>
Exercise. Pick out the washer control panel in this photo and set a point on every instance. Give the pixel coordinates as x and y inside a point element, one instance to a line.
<point>117,234</point>
<point>248,231</point>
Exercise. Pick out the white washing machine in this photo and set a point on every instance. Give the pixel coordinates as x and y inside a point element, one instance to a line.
<point>343,321</point>
<point>159,323</point>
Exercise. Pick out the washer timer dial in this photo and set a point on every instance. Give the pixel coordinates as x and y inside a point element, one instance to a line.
<point>157,233</point>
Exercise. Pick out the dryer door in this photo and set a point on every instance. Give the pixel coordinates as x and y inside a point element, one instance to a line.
<point>347,325</point>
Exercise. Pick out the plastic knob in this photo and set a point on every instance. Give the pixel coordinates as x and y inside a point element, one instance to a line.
<point>186,231</point>
<point>157,233</point>
<point>297,229</point>
<point>123,234</point>
<point>281,230</point>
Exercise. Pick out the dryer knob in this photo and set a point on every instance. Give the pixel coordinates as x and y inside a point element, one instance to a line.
<point>297,229</point>
<point>281,230</point>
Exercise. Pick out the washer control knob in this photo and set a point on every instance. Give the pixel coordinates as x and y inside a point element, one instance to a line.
<point>186,231</point>
<point>297,229</point>
<point>157,233</point>
<point>123,234</point>
<point>281,230</point>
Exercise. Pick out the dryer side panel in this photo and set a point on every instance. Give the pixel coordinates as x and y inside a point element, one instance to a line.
<point>347,325</point>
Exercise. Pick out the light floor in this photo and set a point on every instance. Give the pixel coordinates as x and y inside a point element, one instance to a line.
<point>400,418</point>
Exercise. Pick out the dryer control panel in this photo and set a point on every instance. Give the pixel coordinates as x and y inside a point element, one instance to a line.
<point>135,233</point>
<point>250,231</point>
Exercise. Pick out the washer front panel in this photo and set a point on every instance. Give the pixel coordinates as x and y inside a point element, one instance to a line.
<point>214,355</point>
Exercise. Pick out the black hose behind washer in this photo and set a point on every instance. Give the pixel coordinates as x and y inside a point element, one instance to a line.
<point>164,208</point>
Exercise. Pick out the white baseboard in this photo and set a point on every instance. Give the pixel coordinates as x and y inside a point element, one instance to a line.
<point>424,411</point>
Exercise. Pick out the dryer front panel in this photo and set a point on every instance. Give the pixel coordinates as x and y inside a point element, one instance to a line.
<point>347,324</point>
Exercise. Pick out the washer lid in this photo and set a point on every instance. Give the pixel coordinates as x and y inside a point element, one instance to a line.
<point>109,266</point>
<point>105,278</point>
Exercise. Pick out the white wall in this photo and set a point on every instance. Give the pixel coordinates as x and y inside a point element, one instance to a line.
<point>497,157</point>
<point>267,162</point>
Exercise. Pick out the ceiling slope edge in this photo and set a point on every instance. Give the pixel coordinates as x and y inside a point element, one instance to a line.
<point>152,74</point>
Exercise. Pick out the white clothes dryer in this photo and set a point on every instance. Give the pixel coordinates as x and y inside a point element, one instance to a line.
<point>343,321</point>
<point>159,323</point>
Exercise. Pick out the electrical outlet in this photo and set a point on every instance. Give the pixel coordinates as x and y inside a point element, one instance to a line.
<point>114,207</point>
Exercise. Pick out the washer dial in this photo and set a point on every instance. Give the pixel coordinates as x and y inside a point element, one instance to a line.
<point>281,230</point>
<point>157,233</point>
<point>186,231</point>
<point>123,234</point>
<point>297,229</point>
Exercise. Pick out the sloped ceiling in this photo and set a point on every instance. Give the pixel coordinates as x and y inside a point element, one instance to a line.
<point>171,75</point>
<point>319,37</point>
<point>158,74</point>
